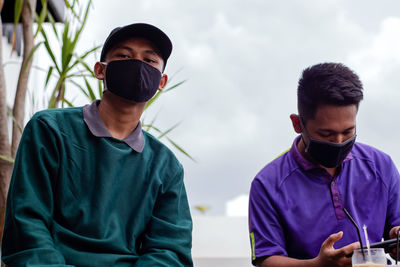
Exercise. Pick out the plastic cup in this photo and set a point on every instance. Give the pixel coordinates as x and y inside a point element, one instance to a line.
<point>376,258</point>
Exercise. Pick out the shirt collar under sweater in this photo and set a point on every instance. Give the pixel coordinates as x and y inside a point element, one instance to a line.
<point>96,126</point>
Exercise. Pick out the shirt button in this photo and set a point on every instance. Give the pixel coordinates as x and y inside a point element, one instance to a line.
<point>336,198</point>
<point>333,183</point>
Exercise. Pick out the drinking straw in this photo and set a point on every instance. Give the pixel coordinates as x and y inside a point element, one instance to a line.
<point>358,230</point>
<point>367,241</point>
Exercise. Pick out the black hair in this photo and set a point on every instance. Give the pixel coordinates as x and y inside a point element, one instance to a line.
<point>327,83</point>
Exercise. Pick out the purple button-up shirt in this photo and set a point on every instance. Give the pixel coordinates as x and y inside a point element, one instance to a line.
<point>295,205</point>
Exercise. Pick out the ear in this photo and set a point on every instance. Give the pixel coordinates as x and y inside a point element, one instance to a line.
<point>163,82</point>
<point>297,126</point>
<point>99,70</point>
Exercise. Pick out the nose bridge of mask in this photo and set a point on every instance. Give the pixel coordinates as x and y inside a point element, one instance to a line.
<point>146,80</point>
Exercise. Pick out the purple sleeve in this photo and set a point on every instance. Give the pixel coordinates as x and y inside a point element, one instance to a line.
<point>266,231</point>
<point>393,210</point>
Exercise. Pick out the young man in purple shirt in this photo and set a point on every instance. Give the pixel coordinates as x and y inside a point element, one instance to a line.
<point>296,215</point>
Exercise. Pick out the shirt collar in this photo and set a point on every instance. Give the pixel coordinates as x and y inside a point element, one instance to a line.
<point>304,163</point>
<point>97,127</point>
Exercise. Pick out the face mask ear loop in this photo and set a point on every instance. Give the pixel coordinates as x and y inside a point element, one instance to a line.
<point>301,123</point>
<point>303,129</point>
<point>104,83</point>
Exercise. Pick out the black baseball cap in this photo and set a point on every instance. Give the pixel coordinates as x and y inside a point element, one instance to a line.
<point>150,32</point>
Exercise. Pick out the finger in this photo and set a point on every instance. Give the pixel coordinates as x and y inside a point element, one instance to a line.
<point>393,232</point>
<point>343,262</point>
<point>346,250</point>
<point>393,253</point>
<point>328,243</point>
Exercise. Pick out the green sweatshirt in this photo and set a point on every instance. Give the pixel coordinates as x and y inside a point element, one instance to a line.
<point>80,200</point>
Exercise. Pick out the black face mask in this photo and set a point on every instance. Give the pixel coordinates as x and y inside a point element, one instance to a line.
<point>329,154</point>
<point>132,79</point>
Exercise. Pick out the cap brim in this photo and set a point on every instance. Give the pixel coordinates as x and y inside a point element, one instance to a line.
<point>150,32</point>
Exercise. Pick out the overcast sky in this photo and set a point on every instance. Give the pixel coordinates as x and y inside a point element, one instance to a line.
<point>242,61</point>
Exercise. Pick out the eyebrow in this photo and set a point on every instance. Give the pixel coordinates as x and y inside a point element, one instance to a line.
<point>123,47</point>
<point>151,52</point>
<point>154,53</point>
<point>148,51</point>
<point>332,131</point>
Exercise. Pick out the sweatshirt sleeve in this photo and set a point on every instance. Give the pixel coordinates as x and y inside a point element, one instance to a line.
<point>27,238</point>
<point>167,240</point>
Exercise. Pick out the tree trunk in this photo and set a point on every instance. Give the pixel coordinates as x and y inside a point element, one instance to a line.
<point>5,150</point>
<point>27,17</point>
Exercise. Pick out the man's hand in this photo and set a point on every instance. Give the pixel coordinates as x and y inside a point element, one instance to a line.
<point>327,257</point>
<point>330,257</point>
<point>393,234</point>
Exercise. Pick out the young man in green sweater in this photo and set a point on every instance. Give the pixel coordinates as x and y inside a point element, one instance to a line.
<point>89,187</point>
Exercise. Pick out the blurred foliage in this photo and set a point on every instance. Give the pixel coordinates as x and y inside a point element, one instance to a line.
<point>203,209</point>
<point>69,66</point>
<point>152,127</point>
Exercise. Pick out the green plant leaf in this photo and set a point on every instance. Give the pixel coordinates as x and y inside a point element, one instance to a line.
<point>174,86</point>
<point>7,158</point>
<point>180,149</point>
<point>57,88</point>
<point>90,51</point>
<point>40,19</point>
<point>53,24</point>
<point>51,68</point>
<point>17,12</point>
<point>67,102</point>
<point>158,94</point>
<point>71,8</point>
<point>150,126</point>
<point>65,49</point>
<point>10,114</point>
<point>18,5</point>
<point>66,2</point>
<point>202,208</point>
<point>80,88</point>
<point>151,101</point>
<point>78,33</point>
<point>30,56</point>
<point>77,62</point>
<point>80,60</point>
<point>168,131</point>
<point>49,51</point>
<point>90,91</point>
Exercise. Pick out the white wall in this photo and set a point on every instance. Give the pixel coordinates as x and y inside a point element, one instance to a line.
<point>220,241</point>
